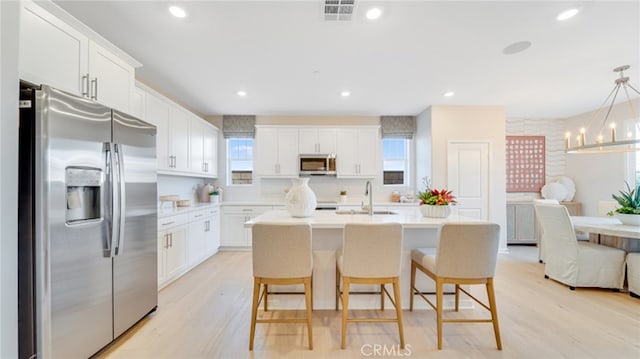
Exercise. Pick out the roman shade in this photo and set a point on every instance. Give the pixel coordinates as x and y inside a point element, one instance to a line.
<point>239,126</point>
<point>398,126</point>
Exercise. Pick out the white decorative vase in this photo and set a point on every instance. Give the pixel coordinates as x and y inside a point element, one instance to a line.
<point>214,198</point>
<point>628,219</point>
<point>300,200</point>
<point>428,210</point>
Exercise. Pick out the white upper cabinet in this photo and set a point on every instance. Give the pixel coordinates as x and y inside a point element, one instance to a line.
<point>210,151</point>
<point>55,53</point>
<point>196,139</point>
<point>357,152</point>
<point>179,139</point>
<point>203,139</point>
<point>186,145</point>
<point>111,80</point>
<point>277,151</point>
<point>138,103</point>
<point>157,112</point>
<point>317,140</point>
<point>52,52</point>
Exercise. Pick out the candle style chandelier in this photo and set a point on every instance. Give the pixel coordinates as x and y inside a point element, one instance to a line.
<point>601,145</point>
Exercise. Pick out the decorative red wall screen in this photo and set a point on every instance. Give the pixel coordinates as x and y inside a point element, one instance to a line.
<point>525,163</point>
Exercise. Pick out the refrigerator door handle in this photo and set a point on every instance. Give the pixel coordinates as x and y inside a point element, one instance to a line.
<point>121,195</point>
<point>108,203</point>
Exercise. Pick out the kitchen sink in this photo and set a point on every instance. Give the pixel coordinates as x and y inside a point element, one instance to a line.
<point>360,211</point>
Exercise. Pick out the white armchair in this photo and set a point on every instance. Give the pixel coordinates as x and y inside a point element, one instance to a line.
<point>576,263</point>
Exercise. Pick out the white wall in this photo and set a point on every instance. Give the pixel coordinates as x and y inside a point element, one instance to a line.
<point>423,147</point>
<point>9,25</point>
<point>185,187</point>
<point>473,123</point>
<point>597,176</point>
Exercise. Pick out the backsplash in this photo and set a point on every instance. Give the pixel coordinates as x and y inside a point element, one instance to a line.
<point>326,188</point>
<point>185,187</point>
<point>553,130</point>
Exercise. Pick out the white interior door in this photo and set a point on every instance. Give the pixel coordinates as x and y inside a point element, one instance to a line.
<point>468,177</point>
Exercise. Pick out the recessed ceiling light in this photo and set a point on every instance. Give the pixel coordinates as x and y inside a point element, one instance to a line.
<point>568,14</point>
<point>177,12</point>
<point>448,94</point>
<point>241,93</point>
<point>516,47</point>
<point>345,93</point>
<point>374,13</point>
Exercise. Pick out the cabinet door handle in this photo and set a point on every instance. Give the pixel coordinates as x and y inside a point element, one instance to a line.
<point>198,215</point>
<point>94,89</point>
<point>171,239</point>
<point>166,241</point>
<point>168,223</point>
<point>85,85</point>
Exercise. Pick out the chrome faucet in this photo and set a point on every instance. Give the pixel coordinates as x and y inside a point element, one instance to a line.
<point>368,191</point>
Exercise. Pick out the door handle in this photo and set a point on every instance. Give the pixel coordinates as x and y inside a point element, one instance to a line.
<point>170,240</point>
<point>94,89</point>
<point>85,85</point>
<point>121,198</point>
<point>107,250</point>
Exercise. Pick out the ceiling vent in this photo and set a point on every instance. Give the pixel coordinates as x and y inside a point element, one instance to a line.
<point>339,10</point>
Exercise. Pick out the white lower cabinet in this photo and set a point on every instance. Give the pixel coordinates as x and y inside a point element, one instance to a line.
<point>204,237</point>
<point>234,234</point>
<point>172,248</point>
<point>186,240</point>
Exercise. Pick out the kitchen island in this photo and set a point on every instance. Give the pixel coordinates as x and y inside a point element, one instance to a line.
<point>327,226</point>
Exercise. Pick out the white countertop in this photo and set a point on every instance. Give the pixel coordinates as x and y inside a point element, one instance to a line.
<point>605,225</point>
<point>167,211</point>
<point>409,218</point>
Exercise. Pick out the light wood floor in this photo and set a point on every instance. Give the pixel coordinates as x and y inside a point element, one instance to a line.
<point>206,314</point>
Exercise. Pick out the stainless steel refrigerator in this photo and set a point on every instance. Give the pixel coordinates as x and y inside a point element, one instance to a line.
<point>87,224</point>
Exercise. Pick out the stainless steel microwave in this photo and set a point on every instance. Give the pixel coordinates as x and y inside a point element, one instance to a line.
<point>317,165</point>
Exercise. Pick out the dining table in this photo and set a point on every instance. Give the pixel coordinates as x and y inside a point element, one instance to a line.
<point>609,231</point>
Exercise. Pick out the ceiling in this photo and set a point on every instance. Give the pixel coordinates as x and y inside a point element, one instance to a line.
<point>290,61</point>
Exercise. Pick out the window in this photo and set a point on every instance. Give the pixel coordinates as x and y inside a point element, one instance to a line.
<point>240,165</point>
<point>395,157</point>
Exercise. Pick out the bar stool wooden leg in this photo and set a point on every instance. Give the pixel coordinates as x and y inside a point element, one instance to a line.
<point>345,310</point>
<point>307,296</point>
<point>266,292</point>
<point>398,305</point>
<point>382,296</point>
<point>494,312</point>
<point>439,310</point>
<point>457,297</point>
<point>254,310</point>
<point>413,285</point>
<point>337,287</point>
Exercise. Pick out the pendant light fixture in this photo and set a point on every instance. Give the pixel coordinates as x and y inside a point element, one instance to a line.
<point>607,139</point>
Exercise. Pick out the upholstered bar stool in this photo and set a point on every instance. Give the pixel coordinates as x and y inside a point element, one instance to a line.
<point>633,274</point>
<point>371,254</point>
<point>576,263</point>
<point>466,255</point>
<point>281,255</point>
